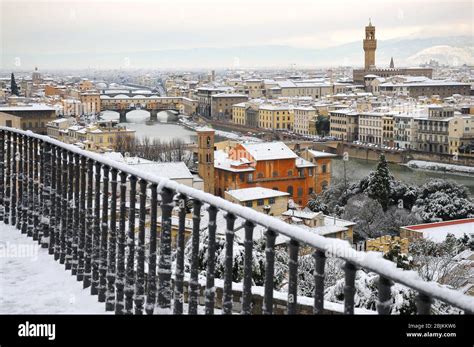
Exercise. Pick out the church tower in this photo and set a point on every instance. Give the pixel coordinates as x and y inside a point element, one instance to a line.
<point>206,157</point>
<point>370,45</point>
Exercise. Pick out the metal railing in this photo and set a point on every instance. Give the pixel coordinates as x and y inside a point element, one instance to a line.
<point>59,195</point>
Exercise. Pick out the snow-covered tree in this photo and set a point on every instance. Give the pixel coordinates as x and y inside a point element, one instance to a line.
<point>380,183</point>
<point>368,215</point>
<point>440,200</point>
<point>14,86</point>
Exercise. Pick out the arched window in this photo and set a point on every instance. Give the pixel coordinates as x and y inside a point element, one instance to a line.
<point>289,190</point>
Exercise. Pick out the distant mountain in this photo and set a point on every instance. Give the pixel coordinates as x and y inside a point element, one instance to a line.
<point>404,51</point>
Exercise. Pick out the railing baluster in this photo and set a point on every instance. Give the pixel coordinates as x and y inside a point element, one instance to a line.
<point>17,178</point>
<point>179,279</point>
<point>95,259</point>
<point>111,266</point>
<point>2,175</point>
<point>89,226</point>
<point>194,272</point>
<point>247,282</point>
<point>164,269</point>
<point>58,207</point>
<point>211,261</point>
<point>76,229</point>
<point>64,207</point>
<point>384,304</point>
<point>423,304</point>
<point>45,173</point>
<point>121,245</point>
<point>26,178</point>
<point>320,261</point>
<point>104,233</point>
<point>37,161</point>
<point>70,211</point>
<point>130,271</point>
<point>140,277</point>
<point>293,248</point>
<point>151,279</point>
<point>30,197</point>
<point>51,202</point>
<point>269,270</point>
<point>82,219</point>
<point>349,287</point>
<point>229,264</point>
<point>9,163</point>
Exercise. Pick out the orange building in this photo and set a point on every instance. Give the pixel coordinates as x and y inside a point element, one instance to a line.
<point>323,162</point>
<point>269,165</point>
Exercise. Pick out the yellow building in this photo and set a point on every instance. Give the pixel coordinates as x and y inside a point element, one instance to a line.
<point>98,137</point>
<point>461,132</point>
<point>302,118</point>
<point>344,124</point>
<point>275,117</point>
<point>90,103</point>
<point>386,243</point>
<point>272,202</point>
<point>238,113</point>
<point>32,117</point>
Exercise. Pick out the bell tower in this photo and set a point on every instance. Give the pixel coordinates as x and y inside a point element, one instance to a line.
<point>370,45</point>
<point>206,158</point>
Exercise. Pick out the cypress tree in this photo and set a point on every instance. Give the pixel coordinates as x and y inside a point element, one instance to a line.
<point>14,87</point>
<point>379,186</point>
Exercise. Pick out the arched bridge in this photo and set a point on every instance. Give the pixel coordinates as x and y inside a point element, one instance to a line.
<point>123,104</point>
<point>97,216</point>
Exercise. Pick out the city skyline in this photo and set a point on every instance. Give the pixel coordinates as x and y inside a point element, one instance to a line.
<point>100,29</point>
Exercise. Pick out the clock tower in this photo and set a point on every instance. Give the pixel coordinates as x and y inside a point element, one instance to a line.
<point>206,158</point>
<point>370,45</point>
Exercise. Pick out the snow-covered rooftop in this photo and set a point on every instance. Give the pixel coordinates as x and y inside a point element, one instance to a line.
<point>438,231</point>
<point>269,151</point>
<point>255,193</point>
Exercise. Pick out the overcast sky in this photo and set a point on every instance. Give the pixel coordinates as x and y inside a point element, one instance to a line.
<point>60,27</point>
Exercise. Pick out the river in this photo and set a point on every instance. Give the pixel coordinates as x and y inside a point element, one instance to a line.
<point>359,168</point>
<point>355,168</point>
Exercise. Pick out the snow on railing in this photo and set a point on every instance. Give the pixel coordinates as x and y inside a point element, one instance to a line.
<point>67,163</point>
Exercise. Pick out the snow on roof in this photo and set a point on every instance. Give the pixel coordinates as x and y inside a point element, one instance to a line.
<point>174,170</point>
<point>204,129</point>
<point>269,151</point>
<point>319,154</point>
<point>247,194</point>
<point>29,107</point>
<point>301,214</point>
<point>228,95</point>
<point>222,161</point>
<point>300,162</point>
<point>438,231</point>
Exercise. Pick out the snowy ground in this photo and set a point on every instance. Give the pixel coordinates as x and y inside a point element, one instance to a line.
<point>429,165</point>
<point>32,282</point>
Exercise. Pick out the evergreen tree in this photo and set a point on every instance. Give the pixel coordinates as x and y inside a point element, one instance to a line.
<point>379,186</point>
<point>14,87</point>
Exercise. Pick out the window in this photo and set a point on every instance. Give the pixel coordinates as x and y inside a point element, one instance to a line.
<point>301,172</point>
<point>271,201</point>
<point>260,202</point>
<point>275,174</point>
<point>324,185</point>
<point>260,175</point>
<point>289,190</point>
<point>8,123</point>
<point>242,177</point>
<point>249,203</point>
<point>250,177</point>
<point>324,168</point>
<point>290,173</point>
<point>300,192</point>
<point>310,172</point>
